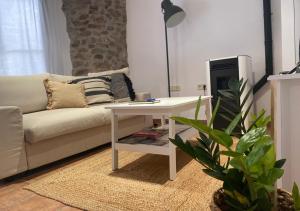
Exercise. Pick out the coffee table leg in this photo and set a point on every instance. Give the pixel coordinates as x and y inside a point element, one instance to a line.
<point>172,150</point>
<point>114,140</point>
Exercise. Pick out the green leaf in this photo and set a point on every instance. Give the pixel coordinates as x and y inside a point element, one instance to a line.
<point>204,139</point>
<point>186,147</point>
<point>263,201</point>
<point>265,158</point>
<point>229,111</point>
<point>214,174</point>
<point>249,139</point>
<point>279,163</point>
<point>231,153</point>
<point>193,123</point>
<point>233,203</point>
<point>256,119</point>
<point>234,180</point>
<point>226,117</point>
<point>258,186</point>
<point>239,163</point>
<point>227,94</point>
<point>214,113</point>
<point>259,150</point>
<point>242,199</point>
<point>233,124</point>
<point>234,85</point>
<point>198,108</point>
<point>245,114</point>
<point>266,121</point>
<point>242,89</point>
<point>202,145</point>
<point>261,120</point>
<point>296,197</point>
<point>253,208</point>
<point>204,157</point>
<point>246,97</point>
<point>241,80</point>
<point>269,159</point>
<point>216,154</point>
<point>231,104</point>
<point>273,175</point>
<point>221,138</point>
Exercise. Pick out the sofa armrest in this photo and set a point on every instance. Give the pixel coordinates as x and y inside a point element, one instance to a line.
<point>12,145</point>
<point>142,96</point>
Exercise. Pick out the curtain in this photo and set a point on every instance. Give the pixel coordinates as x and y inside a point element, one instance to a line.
<point>22,50</point>
<point>56,39</point>
<point>33,38</point>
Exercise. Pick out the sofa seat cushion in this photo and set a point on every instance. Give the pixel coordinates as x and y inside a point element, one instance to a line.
<point>42,125</point>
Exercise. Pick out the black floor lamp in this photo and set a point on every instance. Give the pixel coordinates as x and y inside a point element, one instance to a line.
<point>173,15</point>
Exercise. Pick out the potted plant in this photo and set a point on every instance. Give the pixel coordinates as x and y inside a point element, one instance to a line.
<point>248,168</point>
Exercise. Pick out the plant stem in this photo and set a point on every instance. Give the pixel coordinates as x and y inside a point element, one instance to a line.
<point>274,197</point>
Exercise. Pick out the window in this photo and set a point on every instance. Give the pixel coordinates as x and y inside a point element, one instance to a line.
<point>21,37</point>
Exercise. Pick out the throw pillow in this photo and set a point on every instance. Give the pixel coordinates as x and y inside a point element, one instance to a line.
<point>119,87</point>
<point>97,89</point>
<point>130,87</point>
<point>63,95</point>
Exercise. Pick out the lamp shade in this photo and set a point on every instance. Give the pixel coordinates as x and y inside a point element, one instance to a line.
<point>173,15</point>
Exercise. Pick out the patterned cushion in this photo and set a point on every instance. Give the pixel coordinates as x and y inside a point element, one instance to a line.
<point>97,89</point>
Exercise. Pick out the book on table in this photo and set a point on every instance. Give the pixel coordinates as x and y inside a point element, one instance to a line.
<point>143,102</point>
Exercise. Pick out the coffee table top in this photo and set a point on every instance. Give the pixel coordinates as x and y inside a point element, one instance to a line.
<point>165,103</point>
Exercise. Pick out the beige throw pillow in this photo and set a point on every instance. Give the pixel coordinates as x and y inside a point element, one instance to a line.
<point>63,95</point>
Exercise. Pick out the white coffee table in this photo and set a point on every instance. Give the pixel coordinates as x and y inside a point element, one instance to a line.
<point>166,107</point>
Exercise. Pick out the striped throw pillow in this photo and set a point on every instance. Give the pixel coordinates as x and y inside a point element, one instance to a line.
<point>97,89</point>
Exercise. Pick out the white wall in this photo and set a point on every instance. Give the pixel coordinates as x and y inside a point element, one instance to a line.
<point>212,29</point>
<point>277,35</point>
<point>297,25</point>
<point>288,34</point>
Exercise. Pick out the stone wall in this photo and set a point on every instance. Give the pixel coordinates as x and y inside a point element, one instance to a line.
<point>97,31</point>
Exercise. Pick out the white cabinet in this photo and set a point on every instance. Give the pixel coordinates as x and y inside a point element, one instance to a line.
<point>286,125</point>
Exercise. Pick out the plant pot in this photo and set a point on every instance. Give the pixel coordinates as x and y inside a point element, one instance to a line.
<point>284,199</point>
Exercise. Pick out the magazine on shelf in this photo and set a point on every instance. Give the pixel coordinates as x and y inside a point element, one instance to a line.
<point>155,136</point>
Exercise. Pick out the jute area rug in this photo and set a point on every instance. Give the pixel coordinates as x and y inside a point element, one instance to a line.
<point>140,183</point>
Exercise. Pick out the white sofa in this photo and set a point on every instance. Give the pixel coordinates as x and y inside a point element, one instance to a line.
<point>31,136</point>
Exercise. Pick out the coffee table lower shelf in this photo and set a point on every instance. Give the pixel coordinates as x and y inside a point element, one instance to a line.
<point>159,147</point>
<point>144,148</point>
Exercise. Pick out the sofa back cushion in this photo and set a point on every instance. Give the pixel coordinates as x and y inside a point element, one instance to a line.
<point>110,72</point>
<point>26,92</point>
<point>62,78</point>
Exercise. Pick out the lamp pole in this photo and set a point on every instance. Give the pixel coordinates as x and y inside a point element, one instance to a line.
<point>173,15</point>
<point>168,63</point>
